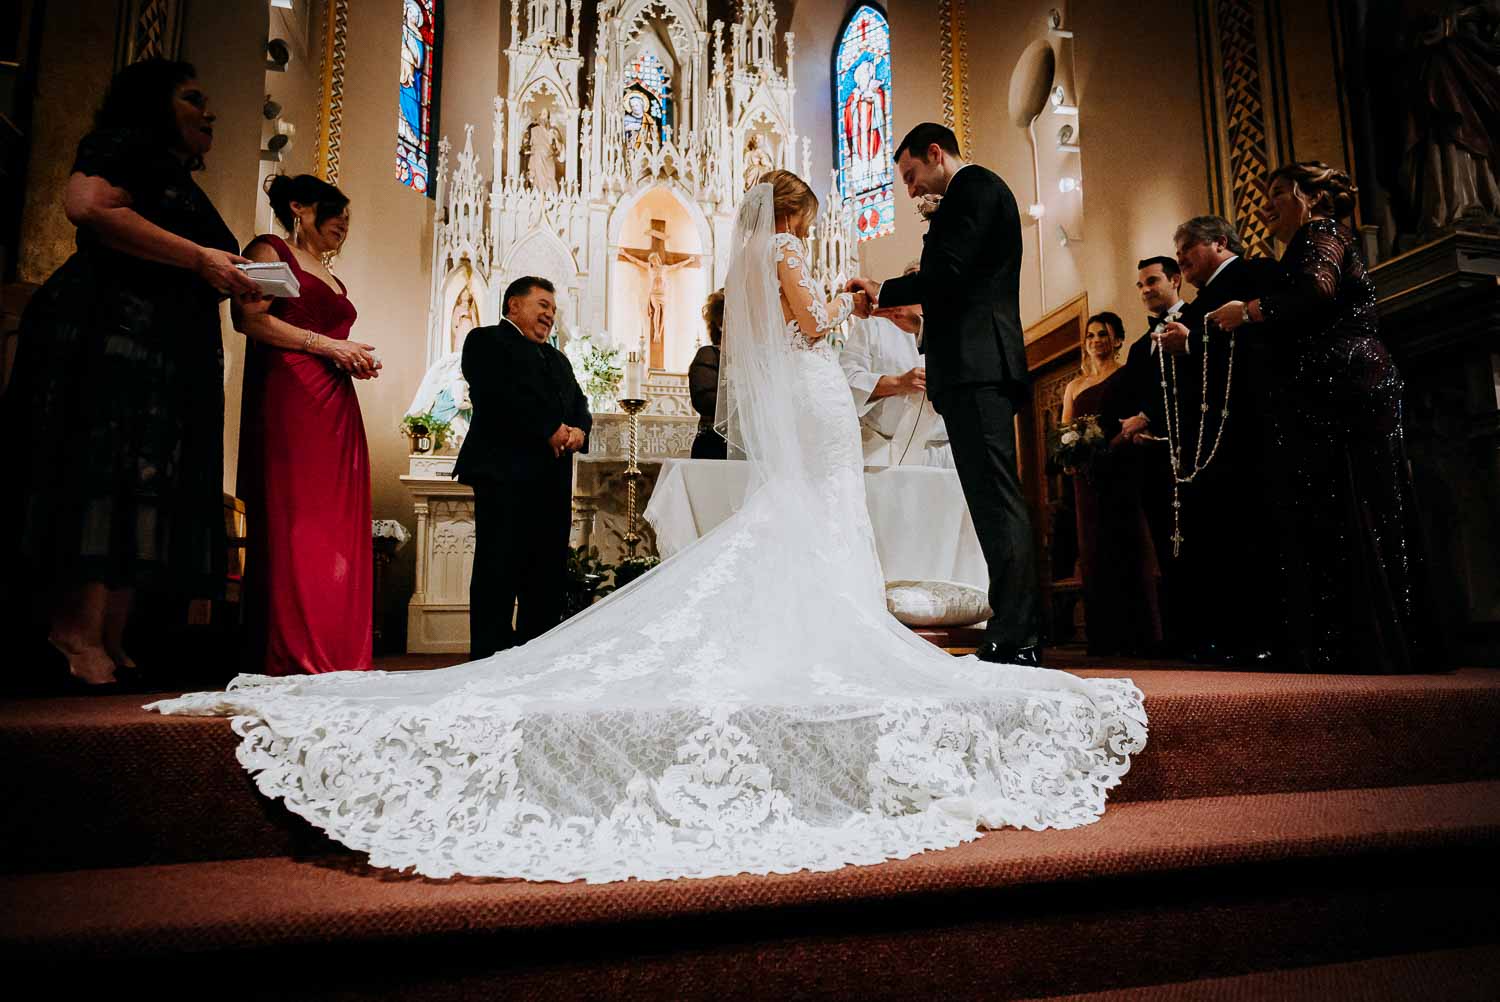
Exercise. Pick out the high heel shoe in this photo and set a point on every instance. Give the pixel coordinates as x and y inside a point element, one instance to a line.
<point>71,680</point>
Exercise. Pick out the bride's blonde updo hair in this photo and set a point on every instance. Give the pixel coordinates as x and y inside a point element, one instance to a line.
<point>792,200</point>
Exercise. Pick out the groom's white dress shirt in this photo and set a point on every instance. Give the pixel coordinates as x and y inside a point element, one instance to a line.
<point>899,430</point>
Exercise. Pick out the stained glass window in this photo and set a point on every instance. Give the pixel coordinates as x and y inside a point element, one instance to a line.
<point>863,121</point>
<point>416,114</point>
<point>647,100</point>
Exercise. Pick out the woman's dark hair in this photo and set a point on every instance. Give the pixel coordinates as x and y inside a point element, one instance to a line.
<point>1111,320</point>
<point>713,316</point>
<point>140,98</point>
<point>1331,191</point>
<point>304,189</point>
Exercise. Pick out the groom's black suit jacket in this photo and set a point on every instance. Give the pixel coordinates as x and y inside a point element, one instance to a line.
<point>969,288</point>
<point>521,392</point>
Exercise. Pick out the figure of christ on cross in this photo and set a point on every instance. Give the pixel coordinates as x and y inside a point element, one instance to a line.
<point>656,261</point>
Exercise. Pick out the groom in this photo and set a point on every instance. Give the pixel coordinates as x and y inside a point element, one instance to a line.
<point>968,289</point>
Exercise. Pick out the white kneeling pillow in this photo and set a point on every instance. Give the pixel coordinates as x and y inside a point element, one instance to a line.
<point>936,603</point>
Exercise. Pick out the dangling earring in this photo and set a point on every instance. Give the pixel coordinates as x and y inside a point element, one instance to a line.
<point>296,229</point>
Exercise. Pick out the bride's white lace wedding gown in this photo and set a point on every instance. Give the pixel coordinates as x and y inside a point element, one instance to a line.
<point>747,707</point>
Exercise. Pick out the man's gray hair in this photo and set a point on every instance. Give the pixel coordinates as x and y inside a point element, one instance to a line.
<point>1210,229</point>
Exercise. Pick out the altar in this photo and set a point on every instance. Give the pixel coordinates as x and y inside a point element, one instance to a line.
<point>923,531</point>
<point>616,173</point>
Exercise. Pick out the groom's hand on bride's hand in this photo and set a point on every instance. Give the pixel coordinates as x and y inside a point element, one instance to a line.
<point>908,318</point>
<point>870,288</point>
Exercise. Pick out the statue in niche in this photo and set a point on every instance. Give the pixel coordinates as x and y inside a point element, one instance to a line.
<point>1442,146</point>
<point>757,160</point>
<point>657,262</point>
<point>541,152</point>
<point>464,318</point>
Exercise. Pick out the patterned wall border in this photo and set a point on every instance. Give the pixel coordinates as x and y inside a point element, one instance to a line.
<point>148,28</point>
<point>330,121</point>
<point>953,54</point>
<point>1242,76</point>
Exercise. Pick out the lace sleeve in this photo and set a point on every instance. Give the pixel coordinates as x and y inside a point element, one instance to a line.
<point>1314,263</point>
<point>815,318</point>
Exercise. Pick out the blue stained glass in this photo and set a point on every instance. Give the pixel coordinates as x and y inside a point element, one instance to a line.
<point>646,99</point>
<point>418,76</point>
<point>863,121</point>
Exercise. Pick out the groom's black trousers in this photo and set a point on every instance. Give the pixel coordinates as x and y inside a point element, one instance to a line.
<point>982,431</point>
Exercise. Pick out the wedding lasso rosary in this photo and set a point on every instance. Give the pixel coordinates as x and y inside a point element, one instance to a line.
<point>1171,408</point>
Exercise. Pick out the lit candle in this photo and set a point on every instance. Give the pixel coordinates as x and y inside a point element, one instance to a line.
<point>632,378</point>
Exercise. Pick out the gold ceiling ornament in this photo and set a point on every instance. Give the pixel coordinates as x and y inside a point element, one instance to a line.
<point>330,120</point>
<point>953,54</point>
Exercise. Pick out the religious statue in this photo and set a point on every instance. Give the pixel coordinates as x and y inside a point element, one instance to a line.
<point>864,113</point>
<point>757,160</point>
<point>657,262</point>
<point>464,318</point>
<point>1451,78</point>
<point>541,149</point>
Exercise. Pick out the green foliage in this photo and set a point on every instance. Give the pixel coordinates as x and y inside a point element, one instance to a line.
<point>417,425</point>
<point>586,576</point>
<point>633,567</point>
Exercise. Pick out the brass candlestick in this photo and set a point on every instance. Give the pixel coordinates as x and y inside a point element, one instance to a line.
<point>632,406</point>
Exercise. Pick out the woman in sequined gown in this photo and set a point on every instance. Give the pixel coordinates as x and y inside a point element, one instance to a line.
<point>1351,563</point>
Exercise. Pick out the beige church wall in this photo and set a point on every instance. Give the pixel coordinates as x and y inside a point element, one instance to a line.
<point>1142,160</point>
<point>73,71</point>
<point>1312,84</point>
<point>472,65</point>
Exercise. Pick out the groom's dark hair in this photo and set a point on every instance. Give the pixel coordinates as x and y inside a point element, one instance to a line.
<point>923,136</point>
<point>1169,266</point>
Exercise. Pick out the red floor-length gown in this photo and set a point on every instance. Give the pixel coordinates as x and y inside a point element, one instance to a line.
<point>305,478</point>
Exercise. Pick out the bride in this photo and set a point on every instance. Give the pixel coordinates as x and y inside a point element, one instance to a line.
<point>747,707</point>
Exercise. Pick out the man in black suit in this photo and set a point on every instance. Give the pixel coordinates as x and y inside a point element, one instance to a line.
<point>530,417</point>
<point>968,292</point>
<point>1228,558</point>
<point>1138,406</point>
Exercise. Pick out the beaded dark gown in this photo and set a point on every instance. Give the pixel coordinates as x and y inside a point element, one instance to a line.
<point>120,376</point>
<point>1352,566</point>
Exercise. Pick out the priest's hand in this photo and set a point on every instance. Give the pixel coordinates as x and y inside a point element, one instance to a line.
<point>1173,339</point>
<point>908,318</point>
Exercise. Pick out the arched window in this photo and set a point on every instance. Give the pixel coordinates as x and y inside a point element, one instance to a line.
<point>416,115</point>
<point>647,100</point>
<point>862,120</point>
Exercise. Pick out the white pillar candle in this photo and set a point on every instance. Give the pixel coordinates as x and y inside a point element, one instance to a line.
<point>632,378</point>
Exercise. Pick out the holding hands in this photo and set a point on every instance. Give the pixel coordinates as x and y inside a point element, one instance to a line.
<point>359,360</point>
<point>866,295</point>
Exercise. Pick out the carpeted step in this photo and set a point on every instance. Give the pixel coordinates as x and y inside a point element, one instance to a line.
<point>1471,975</point>
<point>105,783</point>
<point>1156,892</point>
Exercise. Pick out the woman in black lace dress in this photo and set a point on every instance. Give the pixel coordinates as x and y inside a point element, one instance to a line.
<point>1352,565</point>
<point>119,371</point>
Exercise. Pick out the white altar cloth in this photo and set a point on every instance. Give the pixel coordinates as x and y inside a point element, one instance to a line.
<point>922,527</point>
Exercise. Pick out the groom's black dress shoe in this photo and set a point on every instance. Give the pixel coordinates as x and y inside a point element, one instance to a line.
<point>1030,656</point>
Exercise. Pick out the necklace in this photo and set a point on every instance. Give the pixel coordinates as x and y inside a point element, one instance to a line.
<point>1171,407</point>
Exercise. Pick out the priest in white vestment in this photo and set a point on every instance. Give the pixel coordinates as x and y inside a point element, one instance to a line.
<point>896,421</point>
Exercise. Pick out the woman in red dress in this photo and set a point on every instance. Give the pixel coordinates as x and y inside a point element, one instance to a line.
<point>304,463</point>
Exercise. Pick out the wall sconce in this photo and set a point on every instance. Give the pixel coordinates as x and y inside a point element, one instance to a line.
<point>278,54</point>
<point>1054,24</point>
<point>1036,210</point>
<point>1067,184</point>
<point>279,142</point>
<point>1065,142</point>
<point>1063,239</point>
<point>1060,105</point>
<point>270,110</point>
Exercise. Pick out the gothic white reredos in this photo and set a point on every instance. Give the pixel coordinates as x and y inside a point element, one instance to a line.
<point>574,153</point>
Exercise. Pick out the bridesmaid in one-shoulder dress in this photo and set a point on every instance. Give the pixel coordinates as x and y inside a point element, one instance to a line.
<point>304,462</point>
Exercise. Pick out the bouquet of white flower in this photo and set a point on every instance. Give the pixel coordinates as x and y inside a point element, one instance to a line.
<point>597,369</point>
<point>1075,445</point>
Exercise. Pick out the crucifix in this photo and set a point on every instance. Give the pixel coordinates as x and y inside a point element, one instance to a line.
<point>656,261</point>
